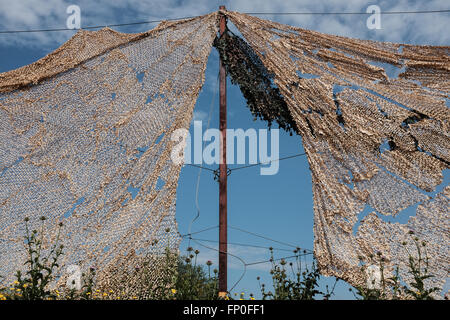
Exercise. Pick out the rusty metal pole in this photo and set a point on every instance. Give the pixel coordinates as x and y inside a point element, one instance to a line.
<point>223,171</point>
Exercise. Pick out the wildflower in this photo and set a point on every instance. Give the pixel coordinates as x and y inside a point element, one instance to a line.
<point>16,282</point>
<point>174,291</point>
<point>105,294</point>
<point>189,249</point>
<point>197,252</point>
<point>252,298</point>
<point>25,285</point>
<point>208,263</point>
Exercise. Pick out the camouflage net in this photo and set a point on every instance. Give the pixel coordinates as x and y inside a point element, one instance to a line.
<point>376,145</point>
<point>85,139</point>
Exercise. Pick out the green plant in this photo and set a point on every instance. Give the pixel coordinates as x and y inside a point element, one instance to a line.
<point>33,283</point>
<point>300,284</point>
<point>394,287</point>
<point>192,282</point>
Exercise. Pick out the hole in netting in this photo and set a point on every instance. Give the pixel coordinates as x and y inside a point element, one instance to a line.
<point>75,205</point>
<point>159,184</point>
<point>141,151</point>
<point>20,159</point>
<point>140,76</point>
<point>306,75</point>
<point>158,140</point>
<point>133,191</point>
<point>149,99</point>
<point>413,119</point>
<point>387,145</point>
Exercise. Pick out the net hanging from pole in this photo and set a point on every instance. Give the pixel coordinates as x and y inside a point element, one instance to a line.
<point>376,145</point>
<point>85,139</point>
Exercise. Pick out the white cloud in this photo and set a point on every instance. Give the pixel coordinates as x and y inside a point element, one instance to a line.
<point>38,14</point>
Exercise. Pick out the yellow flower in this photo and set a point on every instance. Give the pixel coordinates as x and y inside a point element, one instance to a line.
<point>110,291</point>
<point>25,285</point>
<point>105,294</point>
<point>174,291</point>
<point>16,282</point>
<point>251,298</point>
<point>88,293</point>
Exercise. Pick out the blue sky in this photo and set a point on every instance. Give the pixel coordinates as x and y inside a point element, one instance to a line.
<point>278,206</point>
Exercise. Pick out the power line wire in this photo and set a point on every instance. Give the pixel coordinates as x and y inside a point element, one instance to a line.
<point>348,13</point>
<point>94,27</point>
<point>244,245</point>
<point>196,232</point>
<point>249,13</point>
<point>229,254</point>
<point>270,239</point>
<point>278,259</point>
<point>261,163</point>
<point>199,166</point>
<point>247,166</point>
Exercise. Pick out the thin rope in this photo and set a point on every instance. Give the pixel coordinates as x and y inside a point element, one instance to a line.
<point>211,109</point>
<point>229,254</point>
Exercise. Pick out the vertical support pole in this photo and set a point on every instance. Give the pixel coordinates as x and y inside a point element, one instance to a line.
<point>223,171</point>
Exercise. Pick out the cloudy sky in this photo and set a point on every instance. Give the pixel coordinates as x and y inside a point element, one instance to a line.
<point>277,206</point>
